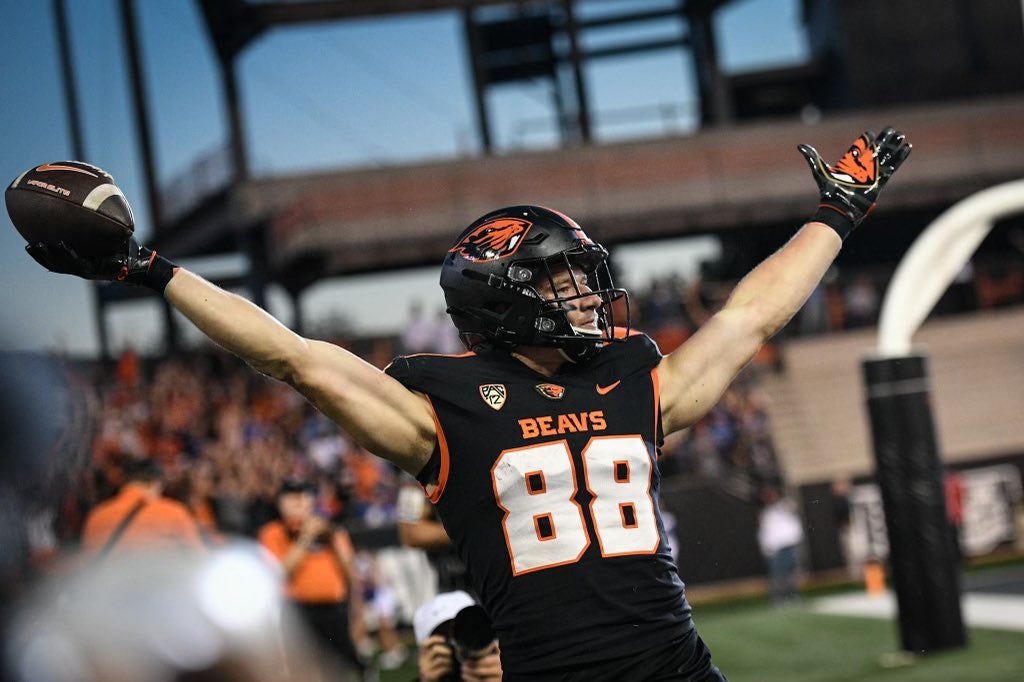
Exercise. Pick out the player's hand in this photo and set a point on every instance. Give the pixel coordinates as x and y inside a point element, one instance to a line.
<point>435,659</point>
<point>135,264</point>
<point>850,188</point>
<point>484,669</point>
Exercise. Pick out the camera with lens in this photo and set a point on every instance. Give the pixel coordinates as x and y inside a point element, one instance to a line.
<point>471,634</point>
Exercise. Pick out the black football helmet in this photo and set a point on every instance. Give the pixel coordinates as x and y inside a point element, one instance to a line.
<point>491,273</point>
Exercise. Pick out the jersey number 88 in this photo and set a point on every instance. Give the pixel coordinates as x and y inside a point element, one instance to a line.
<point>544,525</point>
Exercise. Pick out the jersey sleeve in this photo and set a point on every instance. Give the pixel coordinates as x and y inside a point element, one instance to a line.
<point>425,374</point>
<point>636,354</point>
<point>398,368</point>
<point>440,377</point>
<point>647,350</point>
<point>413,372</point>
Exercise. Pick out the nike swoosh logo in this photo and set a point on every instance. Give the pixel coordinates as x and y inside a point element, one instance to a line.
<point>601,390</point>
<point>58,167</point>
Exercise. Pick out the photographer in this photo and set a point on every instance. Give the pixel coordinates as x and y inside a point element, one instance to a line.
<point>456,641</point>
<point>319,573</point>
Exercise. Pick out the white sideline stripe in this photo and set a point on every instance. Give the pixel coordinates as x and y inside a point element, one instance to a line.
<point>101,194</point>
<point>17,180</point>
<point>998,611</point>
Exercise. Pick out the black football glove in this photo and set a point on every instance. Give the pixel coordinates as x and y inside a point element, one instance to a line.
<point>135,264</point>
<point>850,188</point>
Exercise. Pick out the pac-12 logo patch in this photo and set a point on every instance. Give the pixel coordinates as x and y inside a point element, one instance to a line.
<point>494,395</point>
<point>551,391</point>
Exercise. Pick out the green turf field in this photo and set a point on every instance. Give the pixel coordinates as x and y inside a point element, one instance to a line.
<point>755,643</point>
<point>761,644</point>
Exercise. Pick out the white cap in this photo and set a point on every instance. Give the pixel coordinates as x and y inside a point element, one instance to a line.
<point>436,611</point>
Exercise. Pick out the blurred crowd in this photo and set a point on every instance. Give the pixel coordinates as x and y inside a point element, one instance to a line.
<point>225,438</point>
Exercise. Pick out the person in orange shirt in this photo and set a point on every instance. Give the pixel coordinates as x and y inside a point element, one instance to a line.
<point>319,571</point>
<point>140,517</point>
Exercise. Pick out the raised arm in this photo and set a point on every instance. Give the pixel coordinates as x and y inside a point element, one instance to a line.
<point>378,411</point>
<point>694,377</point>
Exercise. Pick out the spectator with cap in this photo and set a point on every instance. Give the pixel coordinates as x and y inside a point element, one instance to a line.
<point>139,516</point>
<point>456,641</point>
<point>317,561</point>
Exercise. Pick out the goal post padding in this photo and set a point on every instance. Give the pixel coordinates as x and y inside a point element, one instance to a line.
<point>923,559</point>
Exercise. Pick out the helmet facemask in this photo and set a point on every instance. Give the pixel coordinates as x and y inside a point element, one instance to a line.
<point>552,325</point>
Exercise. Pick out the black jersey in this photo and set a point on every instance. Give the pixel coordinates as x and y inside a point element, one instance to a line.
<point>548,487</point>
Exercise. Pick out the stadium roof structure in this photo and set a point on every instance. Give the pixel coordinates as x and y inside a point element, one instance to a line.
<point>964,109</point>
<point>716,180</point>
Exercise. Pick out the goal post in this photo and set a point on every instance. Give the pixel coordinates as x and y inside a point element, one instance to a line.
<point>935,258</point>
<point>924,560</point>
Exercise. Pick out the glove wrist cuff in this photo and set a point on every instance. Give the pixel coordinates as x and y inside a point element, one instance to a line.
<point>160,272</point>
<point>157,274</point>
<point>836,218</point>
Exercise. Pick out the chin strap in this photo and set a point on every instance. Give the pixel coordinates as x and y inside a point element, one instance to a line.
<point>561,351</point>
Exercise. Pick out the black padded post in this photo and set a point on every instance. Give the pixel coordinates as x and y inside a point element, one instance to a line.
<point>924,562</point>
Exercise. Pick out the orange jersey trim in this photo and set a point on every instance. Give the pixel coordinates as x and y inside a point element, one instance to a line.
<point>467,354</point>
<point>435,355</point>
<point>442,442</point>
<point>657,402</point>
<point>624,332</point>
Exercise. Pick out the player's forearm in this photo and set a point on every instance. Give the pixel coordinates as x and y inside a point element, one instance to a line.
<point>423,535</point>
<point>776,289</point>
<point>236,324</point>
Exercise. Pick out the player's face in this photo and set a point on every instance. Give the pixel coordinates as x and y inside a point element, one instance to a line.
<point>569,284</point>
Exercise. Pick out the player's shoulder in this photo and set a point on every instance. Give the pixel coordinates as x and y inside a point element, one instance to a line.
<point>420,362</point>
<point>630,351</point>
<point>422,370</point>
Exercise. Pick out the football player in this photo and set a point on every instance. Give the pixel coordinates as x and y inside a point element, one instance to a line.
<point>538,446</point>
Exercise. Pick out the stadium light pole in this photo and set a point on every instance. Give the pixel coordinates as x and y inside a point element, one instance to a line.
<point>924,559</point>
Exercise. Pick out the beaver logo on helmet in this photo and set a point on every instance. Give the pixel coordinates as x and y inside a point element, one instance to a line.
<point>493,240</point>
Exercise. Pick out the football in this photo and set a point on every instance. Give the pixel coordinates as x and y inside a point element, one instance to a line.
<point>70,201</point>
